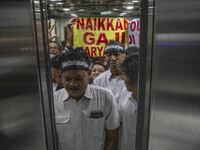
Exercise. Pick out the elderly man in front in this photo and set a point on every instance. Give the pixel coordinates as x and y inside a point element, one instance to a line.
<point>86,116</point>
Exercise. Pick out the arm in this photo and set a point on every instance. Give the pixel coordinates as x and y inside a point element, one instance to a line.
<point>50,30</point>
<point>71,22</point>
<point>112,123</point>
<point>111,139</point>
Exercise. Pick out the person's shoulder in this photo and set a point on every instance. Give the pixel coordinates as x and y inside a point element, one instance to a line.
<point>60,93</point>
<point>125,92</point>
<point>100,89</point>
<point>104,95</point>
<point>101,76</point>
<point>125,96</point>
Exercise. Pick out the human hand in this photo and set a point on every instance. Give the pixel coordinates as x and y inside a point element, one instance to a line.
<point>119,61</point>
<point>72,21</point>
<point>50,30</point>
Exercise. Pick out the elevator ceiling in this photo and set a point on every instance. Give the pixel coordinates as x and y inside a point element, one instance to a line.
<point>93,8</point>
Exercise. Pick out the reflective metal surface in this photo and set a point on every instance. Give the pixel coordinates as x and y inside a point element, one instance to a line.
<point>22,113</point>
<point>142,131</point>
<point>44,73</point>
<point>175,88</point>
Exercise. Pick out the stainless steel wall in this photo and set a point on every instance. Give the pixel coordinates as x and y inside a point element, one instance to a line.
<point>175,85</point>
<point>22,79</point>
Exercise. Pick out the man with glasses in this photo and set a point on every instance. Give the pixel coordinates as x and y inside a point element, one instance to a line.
<point>112,78</point>
<point>55,47</point>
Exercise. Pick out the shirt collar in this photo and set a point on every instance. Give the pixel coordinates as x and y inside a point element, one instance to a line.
<point>133,99</point>
<point>109,73</point>
<point>88,93</point>
<point>65,95</point>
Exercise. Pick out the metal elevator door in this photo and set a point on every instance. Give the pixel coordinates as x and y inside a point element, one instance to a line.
<point>175,85</point>
<point>26,120</point>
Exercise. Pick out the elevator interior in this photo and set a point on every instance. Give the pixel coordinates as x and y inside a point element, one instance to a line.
<point>169,105</point>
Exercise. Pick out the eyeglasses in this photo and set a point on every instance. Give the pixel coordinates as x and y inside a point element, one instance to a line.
<point>54,48</point>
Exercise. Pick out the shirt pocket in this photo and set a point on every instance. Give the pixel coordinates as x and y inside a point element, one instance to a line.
<point>95,127</point>
<point>62,125</point>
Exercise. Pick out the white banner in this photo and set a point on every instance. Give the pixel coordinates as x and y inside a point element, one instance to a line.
<point>134,33</point>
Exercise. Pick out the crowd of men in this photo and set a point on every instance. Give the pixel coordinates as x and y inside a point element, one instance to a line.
<point>95,102</point>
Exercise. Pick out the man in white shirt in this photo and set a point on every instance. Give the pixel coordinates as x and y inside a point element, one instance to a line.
<point>128,104</point>
<point>86,116</point>
<point>56,73</point>
<point>112,78</point>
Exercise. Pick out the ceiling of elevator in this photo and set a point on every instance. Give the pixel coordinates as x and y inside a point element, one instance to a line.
<point>93,8</point>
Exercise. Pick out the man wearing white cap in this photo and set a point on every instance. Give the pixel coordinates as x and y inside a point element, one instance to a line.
<point>86,116</point>
<point>112,78</point>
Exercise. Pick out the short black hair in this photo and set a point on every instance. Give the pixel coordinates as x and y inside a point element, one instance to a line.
<point>81,50</point>
<point>130,66</point>
<point>100,65</point>
<point>55,61</point>
<point>132,50</point>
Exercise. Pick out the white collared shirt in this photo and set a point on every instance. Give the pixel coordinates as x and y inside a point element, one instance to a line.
<point>76,130</point>
<point>54,86</point>
<point>114,84</point>
<point>128,115</point>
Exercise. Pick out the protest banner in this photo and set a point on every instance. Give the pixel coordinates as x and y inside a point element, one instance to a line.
<point>92,34</point>
<point>134,33</point>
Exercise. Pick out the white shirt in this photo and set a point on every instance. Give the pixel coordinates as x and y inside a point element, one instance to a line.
<point>54,86</point>
<point>128,115</point>
<point>114,84</point>
<point>76,130</point>
<point>66,49</point>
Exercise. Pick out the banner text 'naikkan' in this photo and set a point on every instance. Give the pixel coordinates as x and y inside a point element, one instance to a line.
<point>94,33</point>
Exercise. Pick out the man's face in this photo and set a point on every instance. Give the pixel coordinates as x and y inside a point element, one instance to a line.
<point>56,75</point>
<point>114,60</point>
<point>75,82</point>
<point>53,48</point>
